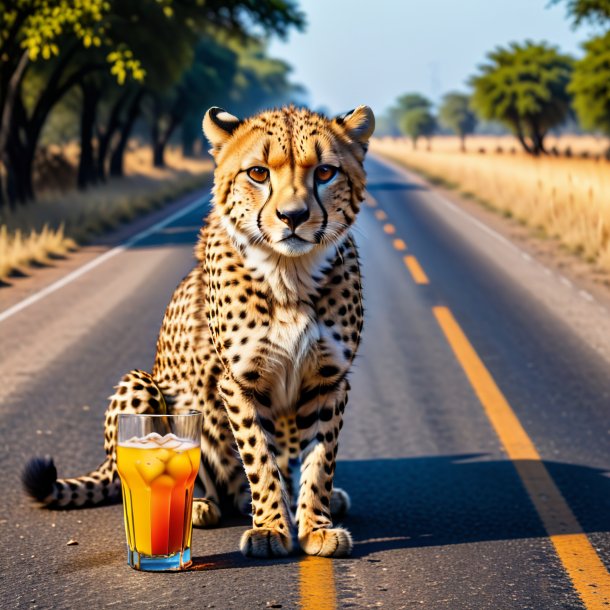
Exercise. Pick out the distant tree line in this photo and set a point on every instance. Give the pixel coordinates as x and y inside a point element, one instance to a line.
<point>530,88</point>
<point>107,64</point>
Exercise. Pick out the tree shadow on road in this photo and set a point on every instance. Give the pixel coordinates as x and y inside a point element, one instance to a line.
<point>437,501</point>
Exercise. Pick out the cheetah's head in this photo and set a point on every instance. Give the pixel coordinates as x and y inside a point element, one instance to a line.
<point>289,180</point>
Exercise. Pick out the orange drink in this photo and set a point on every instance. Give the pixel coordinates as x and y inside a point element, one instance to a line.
<point>158,473</point>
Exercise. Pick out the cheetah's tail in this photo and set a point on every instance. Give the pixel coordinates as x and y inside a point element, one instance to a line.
<point>40,480</point>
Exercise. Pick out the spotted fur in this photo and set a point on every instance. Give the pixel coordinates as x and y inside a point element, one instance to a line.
<point>261,334</point>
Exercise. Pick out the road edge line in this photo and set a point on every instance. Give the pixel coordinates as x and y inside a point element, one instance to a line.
<point>74,275</point>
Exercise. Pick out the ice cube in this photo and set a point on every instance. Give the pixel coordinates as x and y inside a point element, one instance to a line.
<point>179,466</point>
<point>150,468</point>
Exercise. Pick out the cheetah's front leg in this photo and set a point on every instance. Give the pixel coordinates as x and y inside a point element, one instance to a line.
<point>319,421</point>
<point>271,533</point>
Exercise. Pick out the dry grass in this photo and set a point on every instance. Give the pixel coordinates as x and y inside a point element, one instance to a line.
<point>54,225</point>
<point>564,198</point>
<point>591,146</point>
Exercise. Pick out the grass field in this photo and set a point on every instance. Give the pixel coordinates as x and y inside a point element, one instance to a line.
<point>590,146</point>
<point>58,222</point>
<point>566,198</point>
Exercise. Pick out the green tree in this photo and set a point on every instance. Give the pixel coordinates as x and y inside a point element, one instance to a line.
<point>261,81</point>
<point>208,82</point>
<point>417,123</point>
<point>237,73</point>
<point>524,87</point>
<point>590,85</point>
<point>592,11</point>
<point>92,37</point>
<point>411,101</point>
<point>404,103</point>
<point>455,114</point>
<point>31,31</point>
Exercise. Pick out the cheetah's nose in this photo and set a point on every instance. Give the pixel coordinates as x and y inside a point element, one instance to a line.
<point>293,218</point>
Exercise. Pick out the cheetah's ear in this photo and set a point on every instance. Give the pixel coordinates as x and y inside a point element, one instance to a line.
<point>218,126</point>
<point>359,124</point>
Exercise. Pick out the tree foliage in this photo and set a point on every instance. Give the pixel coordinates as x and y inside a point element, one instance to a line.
<point>392,122</point>
<point>412,101</point>
<point>524,87</point>
<point>417,122</point>
<point>123,56</point>
<point>455,114</point>
<point>591,11</point>
<point>590,85</point>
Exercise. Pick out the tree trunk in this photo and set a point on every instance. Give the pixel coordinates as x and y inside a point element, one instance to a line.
<point>463,142</point>
<point>161,144</point>
<point>537,139</point>
<point>155,137</point>
<point>159,154</point>
<point>20,161</point>
<point>87,173</point>
<point>104,138</point>
<point>116,160</point>
<point>521,137</point>
<point>160,138</point>
<point>20,150</point>
<point>414,143</point>
<point>26,130</point>
<point>7,125</point>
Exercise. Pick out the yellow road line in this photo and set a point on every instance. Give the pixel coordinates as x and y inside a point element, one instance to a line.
<point>399,244</point>
<point>390,229</point>
<point>416,271</point>
<point>589,575</point>
<point>317,584</point>
<point>380,215</point>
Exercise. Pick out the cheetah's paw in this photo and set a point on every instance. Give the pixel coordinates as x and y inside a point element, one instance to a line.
<point>206,513</point>
<point>339,502</point>
<point>331,542</point>
<point>264,542</point>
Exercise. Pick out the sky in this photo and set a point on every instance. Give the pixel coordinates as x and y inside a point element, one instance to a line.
<point>370,52</point>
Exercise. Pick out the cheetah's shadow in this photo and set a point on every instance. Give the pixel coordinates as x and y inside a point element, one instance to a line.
<point>442,500</point>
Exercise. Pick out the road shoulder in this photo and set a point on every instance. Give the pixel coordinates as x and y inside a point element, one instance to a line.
<point>41,277</point>
<point>546,251</point>
<point>568,294</point>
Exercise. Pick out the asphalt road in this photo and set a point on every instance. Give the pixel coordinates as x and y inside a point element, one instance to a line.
<point>440,514</point>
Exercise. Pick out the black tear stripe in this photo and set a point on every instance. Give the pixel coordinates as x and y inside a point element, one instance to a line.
<point>258,216</point>
<point>320,232</point>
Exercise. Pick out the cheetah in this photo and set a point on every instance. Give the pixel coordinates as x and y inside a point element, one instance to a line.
<point>260,336</point>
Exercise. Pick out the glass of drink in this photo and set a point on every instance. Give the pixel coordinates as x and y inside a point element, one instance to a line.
<point>158,459</point>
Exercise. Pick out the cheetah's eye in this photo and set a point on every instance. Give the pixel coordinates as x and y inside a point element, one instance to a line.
<point>325,173</point>
<point>258,174</point>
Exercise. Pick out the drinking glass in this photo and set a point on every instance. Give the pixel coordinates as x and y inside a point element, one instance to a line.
<point>158,460</point>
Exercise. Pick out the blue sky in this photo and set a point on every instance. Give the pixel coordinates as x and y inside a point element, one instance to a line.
<point>356,52</point>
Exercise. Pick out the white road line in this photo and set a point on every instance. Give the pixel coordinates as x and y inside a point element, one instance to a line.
<point>587,296</point>
<point>41,294</point>
<point>454,208</point>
